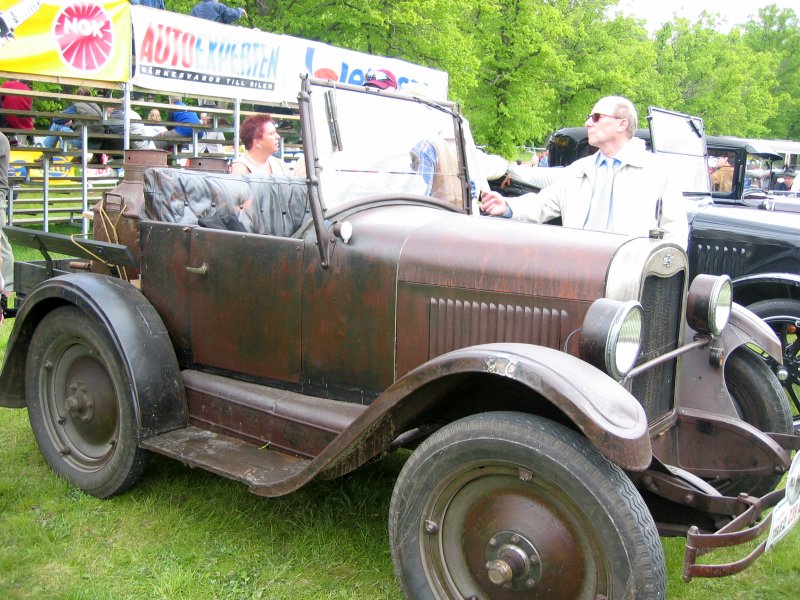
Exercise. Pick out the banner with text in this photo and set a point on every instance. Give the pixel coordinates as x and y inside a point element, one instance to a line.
<point>182,54</point>
<point>83,39</point>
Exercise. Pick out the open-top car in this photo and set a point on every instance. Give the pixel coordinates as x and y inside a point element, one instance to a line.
<point>567,395</point>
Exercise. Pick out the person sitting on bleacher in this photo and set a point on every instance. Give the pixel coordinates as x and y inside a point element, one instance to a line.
<point>115,123</point>
<point>17,102</point>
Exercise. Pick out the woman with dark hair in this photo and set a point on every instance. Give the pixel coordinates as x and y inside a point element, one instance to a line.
<point>261,141</point>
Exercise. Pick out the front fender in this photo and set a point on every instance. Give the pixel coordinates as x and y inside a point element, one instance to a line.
<point>746,327</point>
<point>607,414</point>
<point>136,330</point>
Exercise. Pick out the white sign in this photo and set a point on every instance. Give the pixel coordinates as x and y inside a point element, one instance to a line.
<point>182,54</point>
<point>787,511</point>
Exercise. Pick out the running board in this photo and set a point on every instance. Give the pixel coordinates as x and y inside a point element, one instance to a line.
<point>257,467</point>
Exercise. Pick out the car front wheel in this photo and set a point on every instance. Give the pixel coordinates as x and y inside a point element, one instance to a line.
<point>506,505</point>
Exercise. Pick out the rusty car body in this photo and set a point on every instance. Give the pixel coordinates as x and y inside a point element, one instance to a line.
<point>566,394</point>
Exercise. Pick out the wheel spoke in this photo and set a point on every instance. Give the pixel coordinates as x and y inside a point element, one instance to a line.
<point>785,327</point>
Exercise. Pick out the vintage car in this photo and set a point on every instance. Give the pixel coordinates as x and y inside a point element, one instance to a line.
<point>566,394</point>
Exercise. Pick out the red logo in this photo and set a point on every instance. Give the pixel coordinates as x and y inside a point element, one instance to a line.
<point>84,35</point>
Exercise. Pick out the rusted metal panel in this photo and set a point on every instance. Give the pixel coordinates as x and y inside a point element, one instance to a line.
<point>448,319</point>
<point>349,309</point>
<point>226,456</point>
<point>505,256</point>
<point>456,324</point>
<point>165,254</point>
<point>244,307</point>
<point>267,417</point>
<point>739,448</point>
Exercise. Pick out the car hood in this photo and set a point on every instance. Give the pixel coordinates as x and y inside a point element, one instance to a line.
<point>493,254</point>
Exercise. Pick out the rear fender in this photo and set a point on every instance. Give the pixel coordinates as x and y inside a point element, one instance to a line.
<point>766,286</point>
<point>604,411</point>
<point>136,330</point>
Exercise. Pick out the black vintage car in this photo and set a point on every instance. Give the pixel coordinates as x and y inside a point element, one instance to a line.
<point>567,394</point>
<point>748,233</point>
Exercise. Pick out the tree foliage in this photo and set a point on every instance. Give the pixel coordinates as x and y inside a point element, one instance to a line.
<point>523,68</point>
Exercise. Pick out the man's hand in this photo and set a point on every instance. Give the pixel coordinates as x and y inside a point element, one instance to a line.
<point>493,204</point>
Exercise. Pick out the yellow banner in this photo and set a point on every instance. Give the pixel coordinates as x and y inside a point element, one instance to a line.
<point>20,166</point>
<point>83,39</point>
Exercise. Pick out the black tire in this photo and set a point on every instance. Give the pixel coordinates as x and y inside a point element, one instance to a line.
<point>783,315</point>
<point>506,487</point>
<point>760,401</point>
<point>80,404</point>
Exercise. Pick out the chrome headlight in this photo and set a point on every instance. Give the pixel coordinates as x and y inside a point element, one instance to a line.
<point>611,336</point>
<point>708,305</point>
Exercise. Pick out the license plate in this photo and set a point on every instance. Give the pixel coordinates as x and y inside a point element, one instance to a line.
<point>787,511</point>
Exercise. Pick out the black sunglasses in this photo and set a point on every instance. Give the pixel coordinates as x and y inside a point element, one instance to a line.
<point>595,117</point>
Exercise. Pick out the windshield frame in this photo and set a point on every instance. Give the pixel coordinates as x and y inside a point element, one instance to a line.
<point>331,115</point>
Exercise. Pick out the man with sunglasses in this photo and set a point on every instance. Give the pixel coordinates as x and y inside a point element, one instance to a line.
<point>621,188</point>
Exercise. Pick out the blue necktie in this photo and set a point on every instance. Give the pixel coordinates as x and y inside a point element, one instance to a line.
<point>600,216</point>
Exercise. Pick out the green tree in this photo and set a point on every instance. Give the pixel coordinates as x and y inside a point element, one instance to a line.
<point>529,77</point>
<point>611,57</point>
<point>777,32</point>
<point>716,76</point>
<point>522,68</point>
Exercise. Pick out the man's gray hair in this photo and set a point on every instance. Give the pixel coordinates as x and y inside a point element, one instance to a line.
<point>625,109</point>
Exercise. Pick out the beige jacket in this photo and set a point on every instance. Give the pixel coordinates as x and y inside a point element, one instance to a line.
<point>640,182</point>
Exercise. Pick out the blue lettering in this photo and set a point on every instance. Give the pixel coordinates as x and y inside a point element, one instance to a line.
<point>310,59</point>
<point>213,56</point>
<point>357,77</point>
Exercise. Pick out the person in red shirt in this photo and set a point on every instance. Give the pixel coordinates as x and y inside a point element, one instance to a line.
<point>14,102</point>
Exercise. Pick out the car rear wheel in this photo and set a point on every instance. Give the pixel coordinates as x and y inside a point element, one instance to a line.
<point>80,404</point>
<point>506,505</point>
<point>760,401</point>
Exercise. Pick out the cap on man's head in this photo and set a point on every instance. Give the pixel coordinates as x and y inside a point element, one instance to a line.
<point>789,172</point>
<point>381,79</point>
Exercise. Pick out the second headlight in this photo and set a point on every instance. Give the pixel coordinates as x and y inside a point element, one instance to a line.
<point>708,305</point>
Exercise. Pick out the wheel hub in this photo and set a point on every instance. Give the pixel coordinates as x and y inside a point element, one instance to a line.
<point>512,561</point>
<point>79,404</point>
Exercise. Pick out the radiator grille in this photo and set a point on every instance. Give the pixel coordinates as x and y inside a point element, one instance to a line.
<point>661,300</point>
<point>457,324</point>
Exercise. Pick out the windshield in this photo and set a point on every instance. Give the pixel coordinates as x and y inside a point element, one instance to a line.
<point>371,143</point>
<point>680,140</point>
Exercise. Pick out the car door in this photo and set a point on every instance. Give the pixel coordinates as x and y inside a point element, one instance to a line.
<point>244,298</point>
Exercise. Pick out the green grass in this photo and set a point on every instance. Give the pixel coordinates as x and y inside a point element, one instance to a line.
<point>184,533</point>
